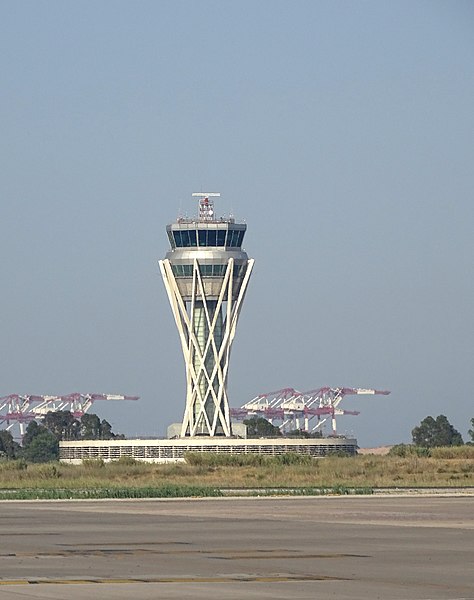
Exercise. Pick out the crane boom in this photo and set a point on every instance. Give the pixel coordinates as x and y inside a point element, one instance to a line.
<point>17,409</point>
<point>294,409</point>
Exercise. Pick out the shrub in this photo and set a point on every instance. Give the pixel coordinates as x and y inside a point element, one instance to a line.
<point>405,450</point>
<point>214,459</point>
<point>291,458</point>
<point>128,461</point>
<point>460,452</point>
<point>46,471</point>
<point>13,465</point>
<point>93,463</point>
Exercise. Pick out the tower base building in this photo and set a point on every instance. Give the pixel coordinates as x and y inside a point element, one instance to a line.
<point>164,451</point>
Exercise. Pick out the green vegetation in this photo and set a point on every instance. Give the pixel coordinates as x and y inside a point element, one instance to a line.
<point>164,491</point>
<point>41,441</point>
<point>295,474</point>
<point>42,448</point>
<point>246,460</point>
<point>65,426</point>
<point>471,432</point>
<point>8,447</point>
<point>405,450</point>
<point>258,427</point>
<point>436,432</point>
<point>438,458</point>
<point>460,452</point>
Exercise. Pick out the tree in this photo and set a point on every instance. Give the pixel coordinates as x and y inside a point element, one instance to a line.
<point>259,427</point>
<point>106,430</point>
<point>90,427</point>
<point>62,424</point>
<point>39,444</point>
<point>33,430</point>
<point>471,431</point>
<point>436,432</point>
<point>41,441</point>
<point>8,447</point>
<point>42,448</point>
<point>301,433</point>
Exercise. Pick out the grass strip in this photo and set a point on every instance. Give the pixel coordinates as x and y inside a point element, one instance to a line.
<point>171,491</point>
<point>303,491</point>
<point>235,472</point>
<point>165,491</point>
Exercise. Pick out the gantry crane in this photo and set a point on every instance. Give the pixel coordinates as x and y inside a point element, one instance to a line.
<point>18,410</point>
<point>290,409</point>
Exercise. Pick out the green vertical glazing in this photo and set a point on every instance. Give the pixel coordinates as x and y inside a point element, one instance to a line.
<point>201,331</point>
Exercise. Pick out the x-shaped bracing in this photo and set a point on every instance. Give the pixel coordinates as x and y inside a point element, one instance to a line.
<point>207,406</point>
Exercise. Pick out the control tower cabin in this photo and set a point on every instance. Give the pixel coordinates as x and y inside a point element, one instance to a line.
<point>206,274</point>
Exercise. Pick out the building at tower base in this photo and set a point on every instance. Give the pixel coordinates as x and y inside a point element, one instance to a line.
<point>163,451</point>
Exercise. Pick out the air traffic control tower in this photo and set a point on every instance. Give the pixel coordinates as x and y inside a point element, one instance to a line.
<point>206,274</point>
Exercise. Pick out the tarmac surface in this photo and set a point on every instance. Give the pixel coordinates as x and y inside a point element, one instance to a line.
<point>393,548</point>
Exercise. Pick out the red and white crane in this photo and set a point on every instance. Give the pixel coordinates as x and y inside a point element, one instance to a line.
<point>18,410</point>
<point>290,409</point>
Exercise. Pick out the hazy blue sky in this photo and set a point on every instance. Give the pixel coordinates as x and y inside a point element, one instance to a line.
<point>342,132</point>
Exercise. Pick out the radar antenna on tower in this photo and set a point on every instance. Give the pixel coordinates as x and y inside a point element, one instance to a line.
<point>206,206</point>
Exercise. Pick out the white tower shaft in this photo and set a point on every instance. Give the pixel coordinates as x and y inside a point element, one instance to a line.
<point>206,327</point>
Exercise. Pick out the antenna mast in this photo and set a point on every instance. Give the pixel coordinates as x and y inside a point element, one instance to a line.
<point>206,206</point>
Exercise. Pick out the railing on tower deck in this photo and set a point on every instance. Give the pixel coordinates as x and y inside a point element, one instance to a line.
<point>197,221</point>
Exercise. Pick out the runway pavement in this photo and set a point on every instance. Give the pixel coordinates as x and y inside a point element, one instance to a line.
<point>393,548</point>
